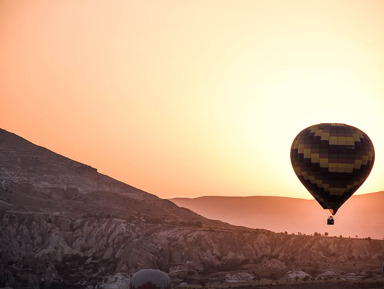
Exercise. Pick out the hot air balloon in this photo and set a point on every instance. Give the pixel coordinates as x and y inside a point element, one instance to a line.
<point>332,160</point>
<point>150,279</point>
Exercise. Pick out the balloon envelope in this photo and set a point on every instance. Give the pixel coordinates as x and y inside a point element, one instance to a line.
<point>332,161</point>
<point>150,279</point>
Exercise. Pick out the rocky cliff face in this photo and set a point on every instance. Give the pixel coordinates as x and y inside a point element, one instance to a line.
<point>65,225</point>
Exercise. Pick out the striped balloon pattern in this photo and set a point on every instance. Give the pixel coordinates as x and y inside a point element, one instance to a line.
<point>332,161</point>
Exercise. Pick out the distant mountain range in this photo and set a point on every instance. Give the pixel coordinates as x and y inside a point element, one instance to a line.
<point>361,215</point>
<point>64,225</point>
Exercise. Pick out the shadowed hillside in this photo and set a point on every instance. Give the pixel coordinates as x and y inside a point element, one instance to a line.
<point>361,215</point>
<point>33,178</point>
<point>64,225</point>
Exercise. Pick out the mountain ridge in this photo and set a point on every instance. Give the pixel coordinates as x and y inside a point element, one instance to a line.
<point>55,180</point>
<point>281,212</point>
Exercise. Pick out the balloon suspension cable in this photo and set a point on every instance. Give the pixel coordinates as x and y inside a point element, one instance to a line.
<point>326,213</point>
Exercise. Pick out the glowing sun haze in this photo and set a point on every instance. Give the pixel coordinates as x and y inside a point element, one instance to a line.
<point>191,98</point>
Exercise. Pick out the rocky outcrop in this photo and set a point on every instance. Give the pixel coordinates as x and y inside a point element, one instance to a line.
<point>57,249</point>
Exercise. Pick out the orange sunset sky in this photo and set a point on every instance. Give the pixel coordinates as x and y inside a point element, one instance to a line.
<point>191,98</point>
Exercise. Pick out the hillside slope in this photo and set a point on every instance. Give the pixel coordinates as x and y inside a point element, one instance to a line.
<point>33,178</point>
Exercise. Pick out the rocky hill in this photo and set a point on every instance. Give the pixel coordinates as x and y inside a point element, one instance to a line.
<point>64,225</point>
